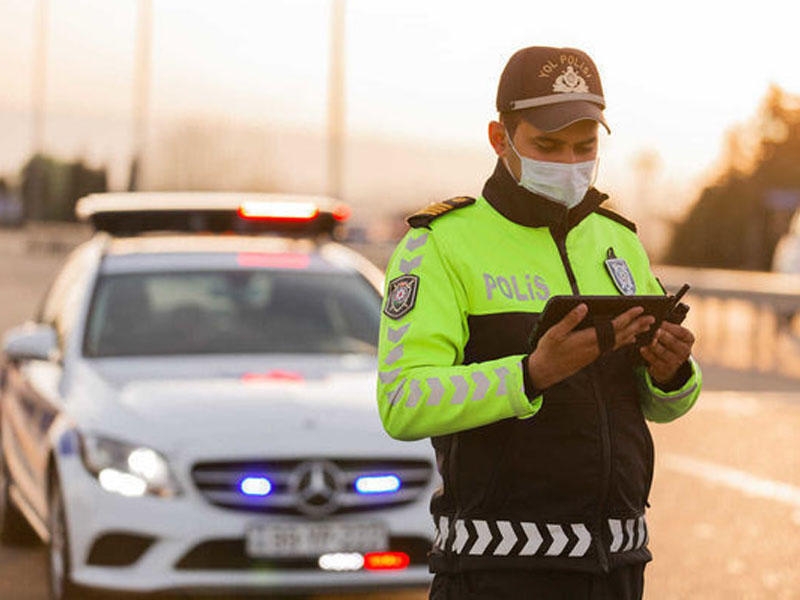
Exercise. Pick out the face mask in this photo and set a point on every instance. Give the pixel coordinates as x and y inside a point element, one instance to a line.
<point>564,183</point>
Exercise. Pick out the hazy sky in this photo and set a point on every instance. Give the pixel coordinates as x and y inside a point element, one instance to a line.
<point>676,74</point>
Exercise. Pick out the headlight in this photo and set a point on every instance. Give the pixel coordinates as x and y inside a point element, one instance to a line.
<point>127,469</point>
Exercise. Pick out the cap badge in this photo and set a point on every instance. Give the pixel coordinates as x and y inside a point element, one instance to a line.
<point>570,82</point>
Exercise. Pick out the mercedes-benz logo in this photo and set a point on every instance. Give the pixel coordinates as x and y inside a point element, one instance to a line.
<point>316,485</point>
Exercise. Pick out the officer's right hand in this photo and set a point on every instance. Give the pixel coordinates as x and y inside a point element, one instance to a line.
<point>563,350</point>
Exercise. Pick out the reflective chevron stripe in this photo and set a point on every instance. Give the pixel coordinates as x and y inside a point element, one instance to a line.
<point>509,538</point>
<point>534,539</point>
<point>462,388</point>
<point>406,266</point>
<point>502,373</point>
<point>477,537</point>
<point>484,537</point>
<point>414,243</point>
<point>389,376</point>
<point>395,335</point>
<point>627,535</point>
<point>673,398</point>
<point>393,356</point>
<point>442,531</point>
<point>560,540</point>
<point>437,391</point>
<point>616,534</point>
<point>462,536</point>
<point>584,539</point>
<point>482,384</point>
<point>415,395</point>
<point>629,530</point>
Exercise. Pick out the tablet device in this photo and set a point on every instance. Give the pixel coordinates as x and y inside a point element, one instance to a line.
<point>606,308</point>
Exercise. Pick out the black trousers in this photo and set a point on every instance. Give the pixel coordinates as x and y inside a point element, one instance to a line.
<point>625,583</point>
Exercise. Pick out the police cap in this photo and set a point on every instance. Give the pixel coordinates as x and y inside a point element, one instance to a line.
<point>560,85</point>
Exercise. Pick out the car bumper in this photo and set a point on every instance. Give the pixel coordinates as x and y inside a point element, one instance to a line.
<point>182,544</point>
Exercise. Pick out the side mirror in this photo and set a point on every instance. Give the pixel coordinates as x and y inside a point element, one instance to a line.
<point>31,341</point>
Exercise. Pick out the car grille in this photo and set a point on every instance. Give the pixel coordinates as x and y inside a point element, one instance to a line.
<point>312,487</point>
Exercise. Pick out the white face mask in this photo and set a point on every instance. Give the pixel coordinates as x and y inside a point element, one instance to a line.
<point>565,183</point>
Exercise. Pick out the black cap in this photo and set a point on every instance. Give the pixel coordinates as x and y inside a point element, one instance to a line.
<point>562,85</point>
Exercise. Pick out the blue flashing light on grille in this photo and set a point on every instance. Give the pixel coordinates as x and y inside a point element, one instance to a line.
<point>377,484</point>
<point>255,486</point>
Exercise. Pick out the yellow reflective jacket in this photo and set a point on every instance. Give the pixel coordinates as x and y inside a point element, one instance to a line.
<point>464,288</point>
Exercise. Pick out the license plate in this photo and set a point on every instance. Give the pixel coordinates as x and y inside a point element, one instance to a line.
<point>314,539</point>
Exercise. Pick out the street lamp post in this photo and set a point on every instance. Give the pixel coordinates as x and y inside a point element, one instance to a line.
<point>141,90</point>
<point>336,101</point>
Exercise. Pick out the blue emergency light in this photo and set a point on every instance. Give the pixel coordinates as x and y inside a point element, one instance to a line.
<point>255,486</point>
<point>377,484</point>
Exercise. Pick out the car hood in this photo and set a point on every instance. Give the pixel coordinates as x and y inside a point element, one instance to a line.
<point>213,407</point>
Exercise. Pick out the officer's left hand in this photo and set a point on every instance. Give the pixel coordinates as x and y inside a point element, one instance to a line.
<point>670,348</point>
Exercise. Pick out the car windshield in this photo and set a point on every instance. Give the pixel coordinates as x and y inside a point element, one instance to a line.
<point>232,312</point>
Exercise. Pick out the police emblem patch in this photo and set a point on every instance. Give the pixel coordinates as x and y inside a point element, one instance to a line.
<point>620,273</point>
<point>570,82</point>
<point>401,296</point>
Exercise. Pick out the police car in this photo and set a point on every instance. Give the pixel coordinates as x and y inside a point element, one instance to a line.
<point>192,409</point>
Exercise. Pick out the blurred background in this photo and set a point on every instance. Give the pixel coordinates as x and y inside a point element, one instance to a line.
<point>385,105</point>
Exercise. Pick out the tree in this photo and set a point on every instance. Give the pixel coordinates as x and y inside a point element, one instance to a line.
<point>739,218</point>
<point>51,187</point>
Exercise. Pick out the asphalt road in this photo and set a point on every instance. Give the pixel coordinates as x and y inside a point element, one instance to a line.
<point>725,515</point>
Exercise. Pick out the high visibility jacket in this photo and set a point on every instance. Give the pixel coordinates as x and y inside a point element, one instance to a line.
<point>558,479</point>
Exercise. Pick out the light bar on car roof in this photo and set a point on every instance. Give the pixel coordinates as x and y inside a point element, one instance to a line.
<point>212,212</point>
<point>279,211</point>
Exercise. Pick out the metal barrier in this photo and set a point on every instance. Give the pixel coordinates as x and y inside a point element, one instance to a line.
<point>54,237</point>
<point>742,319</point>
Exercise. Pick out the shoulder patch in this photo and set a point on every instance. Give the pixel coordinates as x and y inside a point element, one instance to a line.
<point>401,296</point>
<point>610,214</point>
<point>434,210</point>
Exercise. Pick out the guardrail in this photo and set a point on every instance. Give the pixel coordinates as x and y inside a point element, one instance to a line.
<point>742,319</point>
<point>54,238</point>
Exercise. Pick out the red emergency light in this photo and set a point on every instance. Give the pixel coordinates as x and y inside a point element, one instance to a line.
<point>274,375</point>
<point>386,561</point>
<point>279,211</point>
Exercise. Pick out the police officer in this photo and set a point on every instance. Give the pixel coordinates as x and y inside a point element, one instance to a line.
<point>544,453</point>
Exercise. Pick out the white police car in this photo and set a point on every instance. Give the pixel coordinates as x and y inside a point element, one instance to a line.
<point>194,411</point>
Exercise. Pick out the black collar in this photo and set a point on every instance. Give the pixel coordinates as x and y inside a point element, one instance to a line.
<point>519,205</point>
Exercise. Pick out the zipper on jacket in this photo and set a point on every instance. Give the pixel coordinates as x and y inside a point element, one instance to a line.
<point>560,238</point>
<point>605,484</point>
<point>559,235</point>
